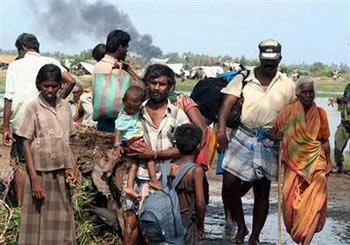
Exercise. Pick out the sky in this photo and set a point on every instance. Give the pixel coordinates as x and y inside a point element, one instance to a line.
<point>309,30</point>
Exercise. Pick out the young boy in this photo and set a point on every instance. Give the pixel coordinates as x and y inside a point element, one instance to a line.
<point>190,189</point>
<point>128,129</point>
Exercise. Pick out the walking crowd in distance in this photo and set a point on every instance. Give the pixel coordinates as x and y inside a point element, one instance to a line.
<point>168,145</point>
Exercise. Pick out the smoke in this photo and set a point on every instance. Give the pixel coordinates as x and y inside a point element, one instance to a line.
<point>67,20</point>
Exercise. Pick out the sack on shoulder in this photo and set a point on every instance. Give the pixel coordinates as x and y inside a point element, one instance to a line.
<point>234,118</point>
<point>109,90</point>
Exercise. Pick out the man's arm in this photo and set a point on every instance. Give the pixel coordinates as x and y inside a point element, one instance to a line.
<point>198,175</point>
<point>143,150</point>
<point>69,83</point>
<point>7,137</point>
<point>225,109</point>
<point>197,118</point>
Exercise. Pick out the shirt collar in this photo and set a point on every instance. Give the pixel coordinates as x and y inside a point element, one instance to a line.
<point>46,104</point>
<point>170,107</point>
<point>31,53</point>
<point>109,58</point>
<point>251,77</point>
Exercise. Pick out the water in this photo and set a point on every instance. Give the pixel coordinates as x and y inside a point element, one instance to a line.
<point>336,230</point>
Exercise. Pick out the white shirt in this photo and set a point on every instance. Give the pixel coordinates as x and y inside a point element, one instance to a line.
<point>20,85</point>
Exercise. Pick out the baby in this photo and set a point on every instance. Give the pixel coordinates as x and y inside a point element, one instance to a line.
<point>128,129</point>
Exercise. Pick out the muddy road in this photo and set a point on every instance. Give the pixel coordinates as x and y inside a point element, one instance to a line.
<point>336,230</point>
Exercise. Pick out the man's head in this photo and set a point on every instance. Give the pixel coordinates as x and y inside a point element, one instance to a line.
<point>270,56</point>
<point>26,42</point>
<point>117,44</point>
<point>77,92</point>
<point>160,81</point>
<point>188,138</point>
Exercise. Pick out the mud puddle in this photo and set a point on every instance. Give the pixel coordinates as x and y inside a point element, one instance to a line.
<point>336,230</point>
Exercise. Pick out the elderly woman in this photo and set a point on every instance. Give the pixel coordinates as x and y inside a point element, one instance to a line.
<point>303,129</point>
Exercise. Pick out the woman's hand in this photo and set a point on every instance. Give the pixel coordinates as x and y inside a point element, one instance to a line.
<point>38,190</point>
<point>222,141</point>
<point>71,176</point>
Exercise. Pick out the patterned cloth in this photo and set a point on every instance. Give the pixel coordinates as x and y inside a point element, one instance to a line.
<point>51,220</point>
<point>50,129</point>
<point>305,181</point>
<point>251,155</point>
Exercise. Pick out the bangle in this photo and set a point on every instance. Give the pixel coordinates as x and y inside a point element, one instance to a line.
<point>116,144</point>
<point>220,132</point>
<point>155,155</point>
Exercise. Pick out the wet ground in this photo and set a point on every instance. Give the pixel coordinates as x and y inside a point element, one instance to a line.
<point>336,230</point>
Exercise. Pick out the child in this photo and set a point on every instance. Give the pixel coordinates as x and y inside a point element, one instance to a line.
<point>128,129</point>
<point>47,215</point>
<point>190,189</point>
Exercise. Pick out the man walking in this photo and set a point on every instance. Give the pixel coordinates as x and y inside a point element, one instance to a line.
<point>20,88</point>
<point>250,156</point>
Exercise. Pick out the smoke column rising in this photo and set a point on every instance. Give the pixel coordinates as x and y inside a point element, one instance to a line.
<point>66,20</point>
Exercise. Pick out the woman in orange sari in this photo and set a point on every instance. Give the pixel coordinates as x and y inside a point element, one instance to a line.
<point>303,128</point>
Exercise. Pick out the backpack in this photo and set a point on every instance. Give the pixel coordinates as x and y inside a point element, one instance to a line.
<point>160,220</point>
<point>207,94</point>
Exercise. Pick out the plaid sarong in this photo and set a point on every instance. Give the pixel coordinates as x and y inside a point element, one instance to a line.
<point>50,220</point>
<point>251,155</point>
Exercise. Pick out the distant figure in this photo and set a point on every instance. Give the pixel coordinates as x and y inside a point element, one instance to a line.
<point>303,128</point>
<point>75,104</point>
<point>19,90</point>
<point>335,74</point>
<point>295,75</point>
<point>250,156</point>
<point>190,189</point>
<point>342,134</point>
<point>47,214</point>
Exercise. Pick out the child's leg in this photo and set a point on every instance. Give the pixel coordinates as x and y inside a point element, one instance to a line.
<point>154,183</point>
<point>130,182</point>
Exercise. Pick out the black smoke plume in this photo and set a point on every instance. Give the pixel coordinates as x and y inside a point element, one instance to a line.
<point>67,20</point>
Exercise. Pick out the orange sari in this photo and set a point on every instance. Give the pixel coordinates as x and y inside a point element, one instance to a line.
<point>305,181</point>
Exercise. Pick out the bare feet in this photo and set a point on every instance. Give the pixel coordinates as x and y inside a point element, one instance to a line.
<point>241,233</point>
<point>132,193</point>
<point>253,241</point>
<point>155,184</point>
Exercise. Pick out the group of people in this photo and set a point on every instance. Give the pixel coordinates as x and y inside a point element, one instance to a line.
<point>157,132</point>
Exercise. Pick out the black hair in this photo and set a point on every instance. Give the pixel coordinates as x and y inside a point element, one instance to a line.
<point>135,93</point>
<point>99,51</point>
<point>48,72</point>
<point>28,41</point>
<point>187,137</point>
<point>115,39</point>
<point>158,70</point>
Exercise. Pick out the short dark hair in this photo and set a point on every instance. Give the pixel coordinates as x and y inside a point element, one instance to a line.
<point>158,70</point>
<point>136,93</point>
<point>27,40</point>
<point>187,137</point>
<point>115,39</point>
<point>99,51</point>
<point>48,72</point>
